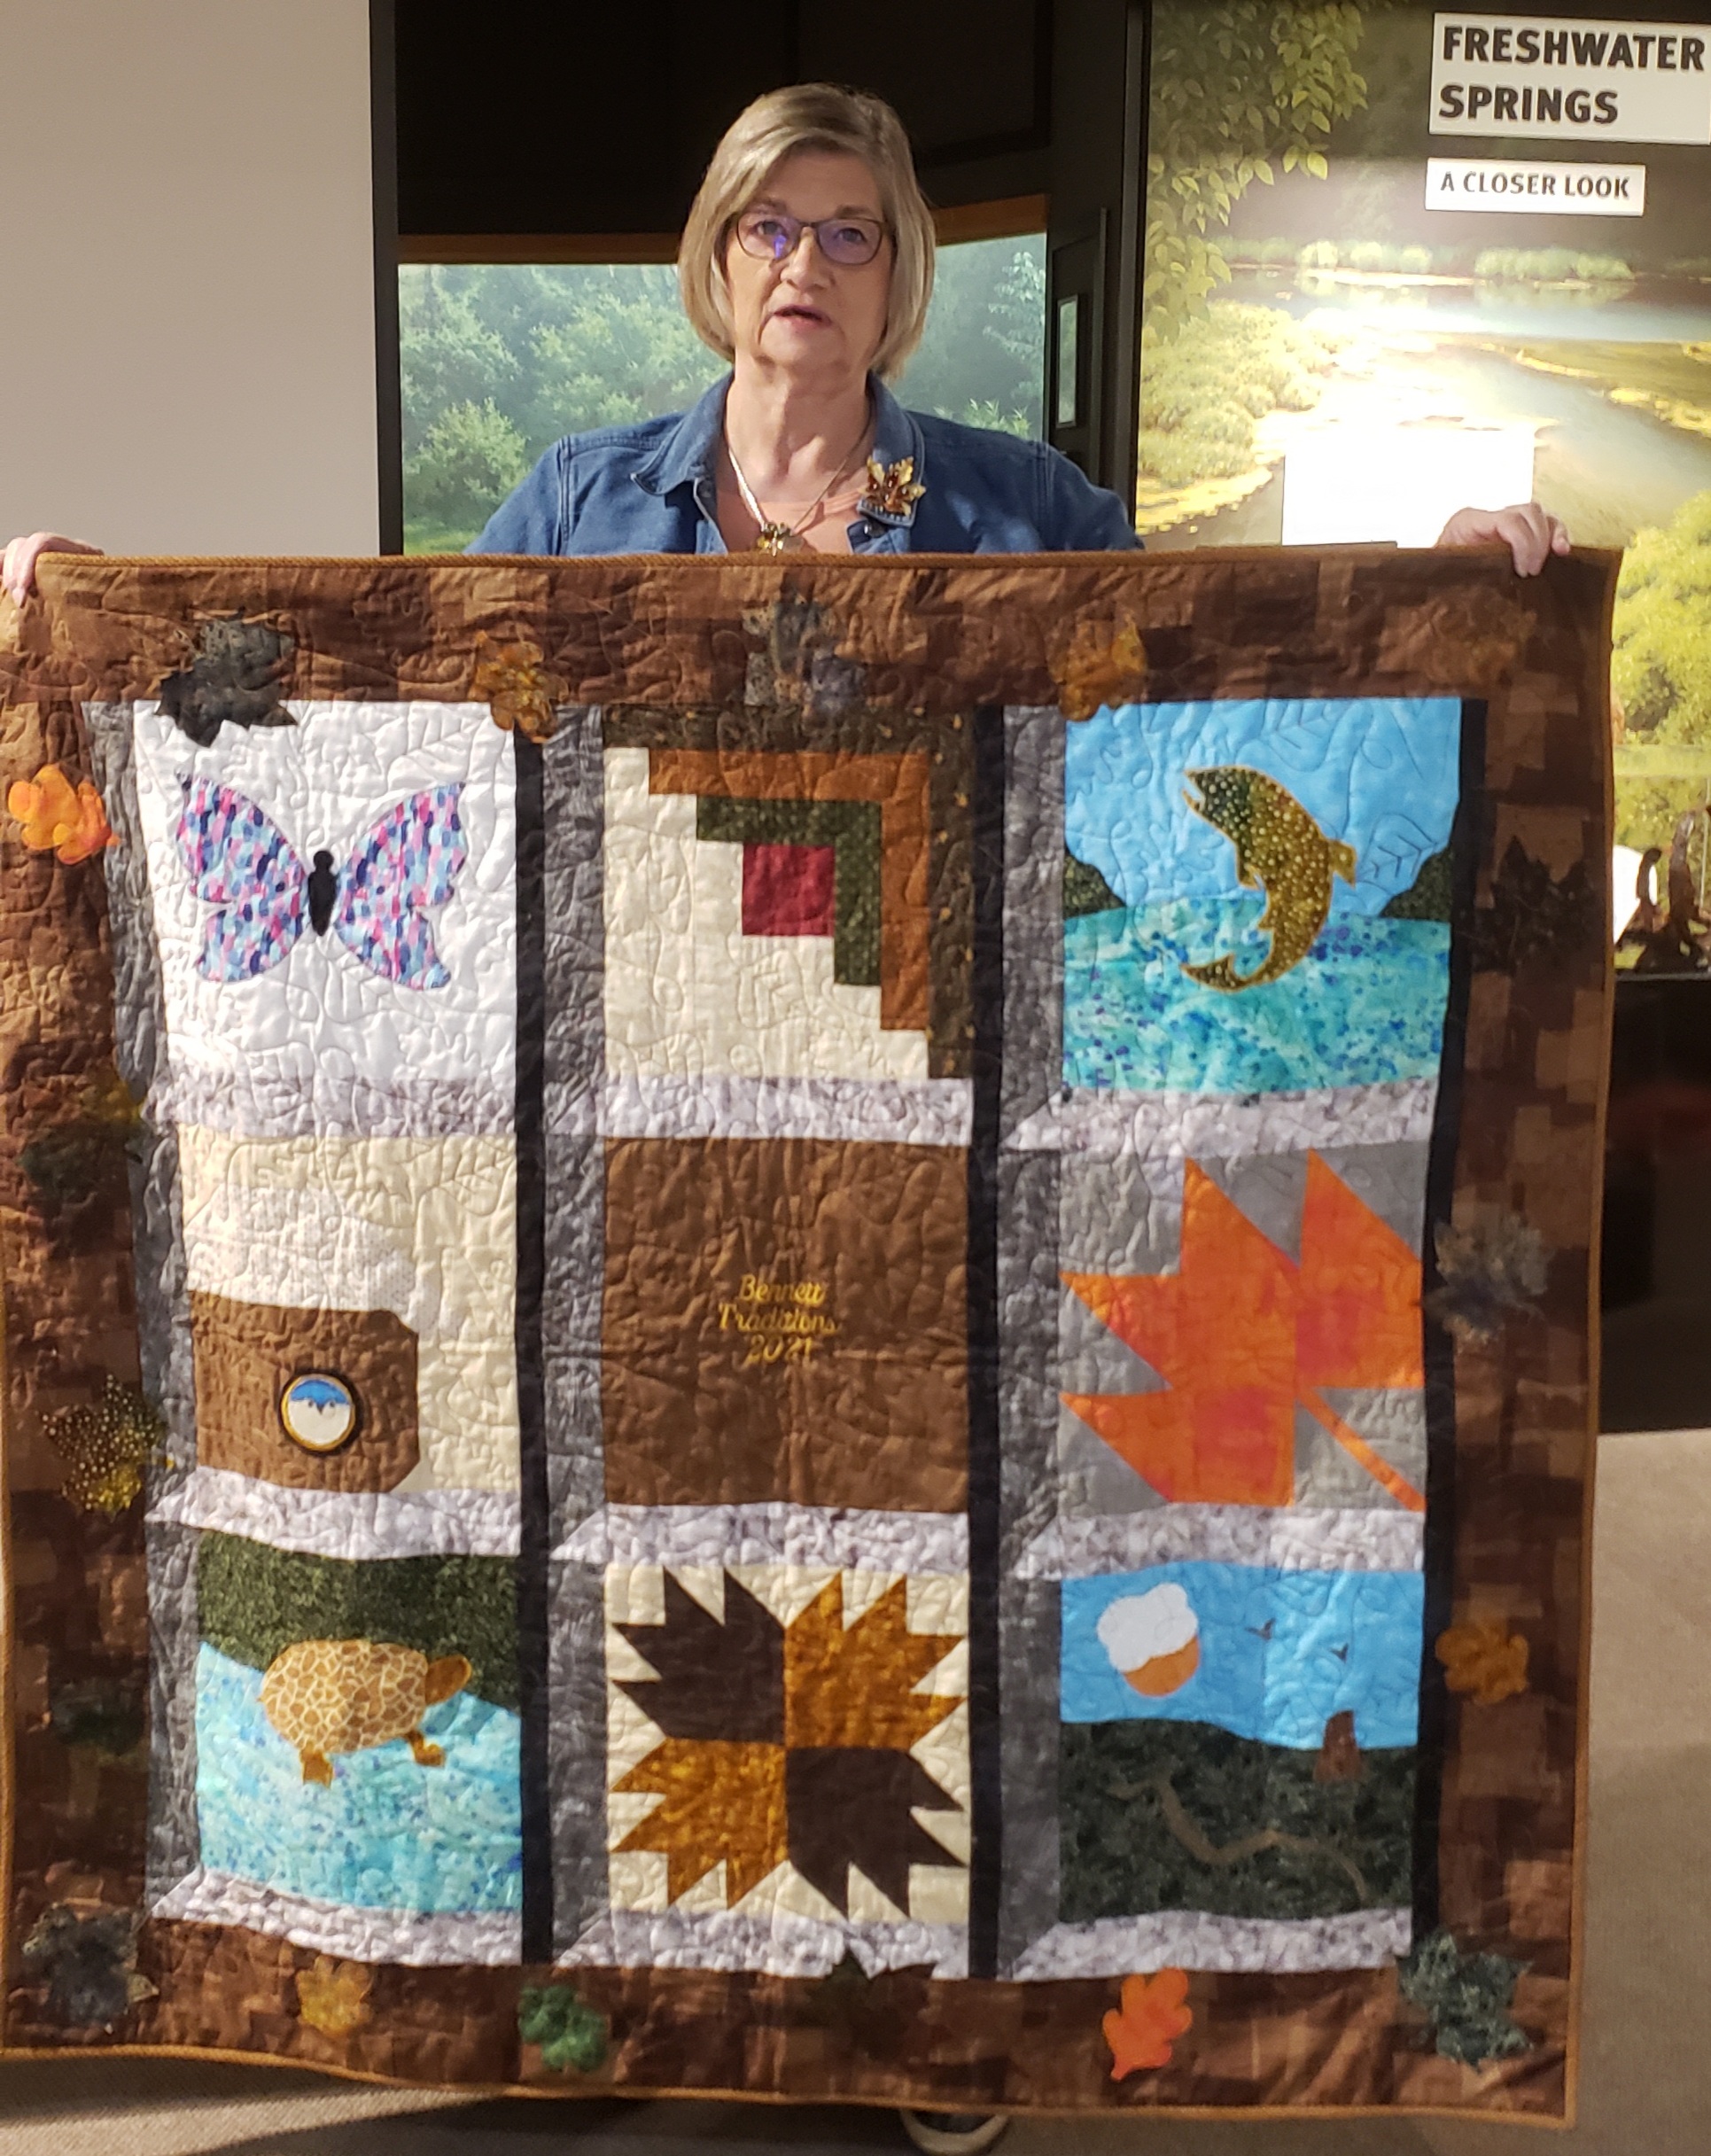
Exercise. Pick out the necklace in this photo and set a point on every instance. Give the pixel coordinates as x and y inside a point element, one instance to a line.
<point>776,538</point>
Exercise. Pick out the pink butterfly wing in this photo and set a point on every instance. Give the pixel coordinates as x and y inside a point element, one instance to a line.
<point>408,861</point>
<point>242,865</point>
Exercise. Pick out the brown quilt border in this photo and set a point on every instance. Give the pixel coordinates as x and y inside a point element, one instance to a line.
<point>930,636</point>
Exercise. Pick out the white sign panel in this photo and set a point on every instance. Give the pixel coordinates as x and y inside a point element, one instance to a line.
<point>1539,184</point>
<point>1399,482</point>
<point>1557,79</point>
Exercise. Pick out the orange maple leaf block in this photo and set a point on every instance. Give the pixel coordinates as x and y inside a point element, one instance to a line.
<point>1485,1659</point>
<point>55,814</point>
<point>1143,2030</point>
<point>1241,1332</point>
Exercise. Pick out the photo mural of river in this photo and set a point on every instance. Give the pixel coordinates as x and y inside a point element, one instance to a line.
<point>1327,358</point>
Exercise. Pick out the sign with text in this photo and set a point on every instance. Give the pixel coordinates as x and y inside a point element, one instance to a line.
<point>1540,185</point>
<point>1556,78</point>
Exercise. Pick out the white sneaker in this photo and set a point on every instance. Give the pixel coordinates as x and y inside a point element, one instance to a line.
<point>953,2133</point>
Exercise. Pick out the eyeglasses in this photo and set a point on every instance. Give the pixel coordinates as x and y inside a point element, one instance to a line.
<point>772,236</point>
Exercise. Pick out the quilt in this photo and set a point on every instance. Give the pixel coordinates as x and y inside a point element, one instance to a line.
<point>815,1330</point>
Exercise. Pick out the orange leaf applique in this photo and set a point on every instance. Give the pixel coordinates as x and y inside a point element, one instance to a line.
<point>333,1996</point>
<point>1153,2015</point>
<point>57,815</point>
<point>1222,1431</point>
<point>1486,1660</point>
<point>515,681</point>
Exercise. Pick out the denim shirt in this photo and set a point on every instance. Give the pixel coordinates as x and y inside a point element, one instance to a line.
<point>651,488</point>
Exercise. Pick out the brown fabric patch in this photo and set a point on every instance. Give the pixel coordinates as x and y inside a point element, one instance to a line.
<point>246,1354</point>
<point>784,1319</point>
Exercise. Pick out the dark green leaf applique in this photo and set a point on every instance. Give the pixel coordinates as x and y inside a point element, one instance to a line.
<point>1467,1997</point>
<point>236,678</point>
<point>88,1963</point>
<point>1534,916</point>
<point>571,2033</point>
<point>1487,1270</point>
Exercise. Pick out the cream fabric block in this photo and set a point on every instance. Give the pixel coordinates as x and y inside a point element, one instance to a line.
<point>688,994</point>
<point>425,1227</point>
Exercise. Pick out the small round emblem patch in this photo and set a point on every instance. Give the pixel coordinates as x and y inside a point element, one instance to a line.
<point>318,1411</point>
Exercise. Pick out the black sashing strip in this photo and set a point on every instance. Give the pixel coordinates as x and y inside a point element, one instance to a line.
<point>986,997</point>
<point>1466,844</point>
<point>535,1540</point>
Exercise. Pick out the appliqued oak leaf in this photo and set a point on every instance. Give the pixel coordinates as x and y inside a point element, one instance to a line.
<point>1142,2032</point>
<point>1486,1660</point>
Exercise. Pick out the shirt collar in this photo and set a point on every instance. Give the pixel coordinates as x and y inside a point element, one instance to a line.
<point>691,451</point>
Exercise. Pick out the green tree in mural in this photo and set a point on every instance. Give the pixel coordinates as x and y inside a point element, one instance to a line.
<point>498,360</point>
<point>1237,91</point>
<point>1662,664</point>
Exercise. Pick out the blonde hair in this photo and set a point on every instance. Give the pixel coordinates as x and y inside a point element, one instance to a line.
<point>810,116</point>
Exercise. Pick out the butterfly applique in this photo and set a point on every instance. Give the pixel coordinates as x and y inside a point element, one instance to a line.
<point>242,865</point>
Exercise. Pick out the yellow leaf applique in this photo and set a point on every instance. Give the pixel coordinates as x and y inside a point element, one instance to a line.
<point>515,684</point>
<point>1101,663</point>
<point>333,1995</point>
<point>57,817</point>
<point>1486,1660</point>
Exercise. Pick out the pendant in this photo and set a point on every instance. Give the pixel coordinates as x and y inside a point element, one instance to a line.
<point>778,539</point>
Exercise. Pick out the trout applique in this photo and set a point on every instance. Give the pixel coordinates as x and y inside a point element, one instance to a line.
<point>1280,849</point>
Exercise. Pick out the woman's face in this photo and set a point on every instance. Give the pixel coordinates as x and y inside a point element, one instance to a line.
<point>812,319</point>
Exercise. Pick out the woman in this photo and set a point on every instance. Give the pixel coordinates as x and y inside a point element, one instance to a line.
<point>808,263</point>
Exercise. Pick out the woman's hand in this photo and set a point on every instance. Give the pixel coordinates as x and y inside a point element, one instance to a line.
<point>18,571</point>
<point>1532,534</point>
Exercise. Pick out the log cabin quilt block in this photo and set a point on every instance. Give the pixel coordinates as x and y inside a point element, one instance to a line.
<point>817,1331</point>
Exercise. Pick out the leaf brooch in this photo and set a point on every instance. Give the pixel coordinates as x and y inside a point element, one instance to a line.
<point>892,490</point>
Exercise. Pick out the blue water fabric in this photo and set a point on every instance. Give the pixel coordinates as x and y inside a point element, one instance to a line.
<point>1378,772</point>
<point>1281,1653</point>
<point>651,488</point>
<point>388,1834</point>
<point>1366,1004</point>
<point>1365,1008</point>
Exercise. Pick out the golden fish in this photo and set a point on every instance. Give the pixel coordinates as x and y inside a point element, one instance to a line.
<point>1279,849</point>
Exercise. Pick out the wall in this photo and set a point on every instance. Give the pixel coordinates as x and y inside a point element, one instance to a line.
<point>188,274</point>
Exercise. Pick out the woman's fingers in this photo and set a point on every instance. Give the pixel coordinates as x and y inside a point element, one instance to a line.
<point>17,571</point>
<point>1531,533</point>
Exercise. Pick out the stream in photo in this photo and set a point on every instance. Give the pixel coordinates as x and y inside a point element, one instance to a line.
<point>1422,353</point>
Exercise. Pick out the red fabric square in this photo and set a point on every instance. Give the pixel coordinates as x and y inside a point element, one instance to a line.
<point>789,890</point>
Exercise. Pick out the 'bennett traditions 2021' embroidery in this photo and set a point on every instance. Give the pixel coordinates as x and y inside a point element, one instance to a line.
<point>816,1330</point>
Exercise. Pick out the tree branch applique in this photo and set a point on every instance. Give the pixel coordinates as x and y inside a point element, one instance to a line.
<point>1142,2032</point>
<point>1466,1997</point>
<point>1187,1830</point>
<point>787,1744</point>
<point>1487,1662</point>
<point>236,678</point>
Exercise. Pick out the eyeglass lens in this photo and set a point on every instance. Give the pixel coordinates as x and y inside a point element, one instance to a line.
<point>771,236</point>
